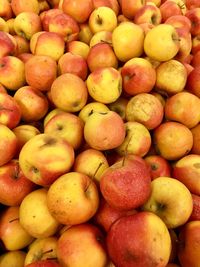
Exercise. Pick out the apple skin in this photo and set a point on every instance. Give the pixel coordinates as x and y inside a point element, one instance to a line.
<point>3,89</point>
<point>162,42</point>
<point>12,258</point>
<point>131,7</point>
<point>158,166</point>
<point>172,8</point>
<point>196,139</point>
<point>145,108</point>
<point>172,148</point>
<point>193,82</point>
<point>141,239</point>
<point>3,25</point>
<point>195,215</point>
<point>168,71</point>
<point>36,162</point>
<point>24,57</point>
<point>19,6</point>
<point>12,73</point>
<point>138,76</point>
<point>47,44</point>
<point>51,114</point>
<point>104,130</point>
<point>8,141</point>
<point>13,182</point>
<point>194,16</point>
<point>179,22</point>
<point>92,163</point>
<point>90,108</point>
<point>78,48</point>
<point>101,55</point>
<point>69,92</point>
<point>130,174</point>
<point>34,215</point>
<point>177,212</point>
<point>22,45</point>
<point>10,112</point>
<point>123,46</point>
<point>40,72</point>
<point>177,106</point>
<point>64,25</point>
<point>33,103</point>
<point>43,263</point>
<point>42,249</point>
<point>101,37</point>
<point>149,13</point>
<point>46,16</point>
<point>82,197</point>
<point>75,64</point>
<point>85,33</point>
<point>67,126</point>
<point>82,245</point>
<point>101,78</point>
<point>188,252</point>
<point>26,24</point>
<point>13,235</point>
<point>187,171</point>
<point>195,62</point>
<point>8,45</point>
<point>107,215</point>
<point>137,140</point>
<point>6,10</point>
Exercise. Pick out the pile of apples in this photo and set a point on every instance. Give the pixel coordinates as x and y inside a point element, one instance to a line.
<point>100,133</point>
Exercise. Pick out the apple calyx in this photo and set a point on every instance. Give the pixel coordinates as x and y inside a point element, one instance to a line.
<point>175,37</point>
<point>99,20</point>
<point>49,141</point>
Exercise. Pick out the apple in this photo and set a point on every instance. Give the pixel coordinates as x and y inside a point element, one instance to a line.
<point>10,112</point>
<point>195,44</point>
<point>26,24</point>
<point>22,45</point>
<point>73,198</point>
<point>158,166</point>
<point>45,157</point>
<point>160,97</point>
<point>145,108</point>
<point>47,44</point>
<point>12,74</point>
<point>194,16</point>
<point>187,171</point>
<point>130,8</point>
<point>102,19</point>
<point>172,8</point>
<point>172,140</point>
<point>42,249</point>
<point>179,22</point>
<point>171,200</point>
<point>195,215</point>
<point>19,6</point>
<point>113,4</point>
<point>168,71</point>
<point>13,183</point>
<point>101,37</point>
<point>101,55</point>
<point>149,13</point>
<point>141,239</point>
<point>3,89</point>
<point>43,5</point>
<point>43,263</point>
<point>54,3</point>
<point>51,114</point>
<point>24,57</point>
<point>8,45</point>
<point>75,64</point>
<point>12,258</point>
<point>67,126</point>
<point>35,217</point>
<point>80,10</point>
<point>8,141</point>
<point>195,60</point>
<point>183,54</point>
<point>134,37</point>
<point>78,48</point>
<point>90,108</point>
<point>193,84</point>
<point>119,106</point>
<point>102,78</point>
<point>33,103</point>
<point>107,215</point>
<point>162,42</point>
<point>10,24</point>
<point>192,4</point>
<point>40,72</point>
<point>129,177</point>
<point>85,33</point>
<point>137,140</point>
<point>196,139</point>
<point>82,245</point>
<point>69,92</point>
<point>104,130</point>
<point>3,25</point>
<point>6,10</point>
<point>92,163</point>
<point>138,76</point>
<point>188,252</point>
<point>64,25</point>
<point>13,235</point>
<point>177,106</point>
<point>47,15</point>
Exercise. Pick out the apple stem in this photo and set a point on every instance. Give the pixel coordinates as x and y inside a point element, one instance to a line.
<point>13,220</point>
<point>48,251</point>
<point>126,150</point>
<point>100,164</point>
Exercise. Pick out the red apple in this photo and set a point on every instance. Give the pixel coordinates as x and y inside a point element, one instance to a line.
<point>6,10</point>
<point>195,216</point>
<point>194,16</point>
<point>172,8</point>
<point>46,16</point>
<point>196,139</point>
<point>193,82</point>
<point>43,263</point>
<point>130,8</point>
<point>8,45</point>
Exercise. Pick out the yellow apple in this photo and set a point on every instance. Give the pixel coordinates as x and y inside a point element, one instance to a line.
<point>12,259</point>
<point>90,108</point>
